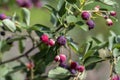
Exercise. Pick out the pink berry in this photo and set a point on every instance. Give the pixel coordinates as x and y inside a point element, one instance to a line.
<point>109,22</point>
<point>80,68</point>
<point>116,77</point>
<point>112,13</point>
<point>85,15</point>
<point>57,58</point>
<point>97,8</point>
<point>44,38</point>
<point>62,58</point>
<point>51,42</point>
<point>73,65</point>
<point>2,16</point>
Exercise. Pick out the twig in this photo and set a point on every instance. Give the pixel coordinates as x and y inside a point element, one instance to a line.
<point>18,57</point>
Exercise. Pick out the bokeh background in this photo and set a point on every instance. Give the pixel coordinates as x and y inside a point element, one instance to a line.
<point>42,15</point>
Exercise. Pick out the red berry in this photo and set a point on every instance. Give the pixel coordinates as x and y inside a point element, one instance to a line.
<point>73,65</point>
<point>51,42</point>
<point>85,15</point>
<point>29,65</point>
<point>109,22</point>
<point>57,58</point>
<point>62,58</point>
<point>80,68</point>
<point>112,13</point>
<point>44,38</point>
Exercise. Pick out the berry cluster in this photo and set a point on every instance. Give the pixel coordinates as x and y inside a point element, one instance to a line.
<point>73,67</point>
<point>86,15</point>
<point>45,39</point>
<point>29,3</point>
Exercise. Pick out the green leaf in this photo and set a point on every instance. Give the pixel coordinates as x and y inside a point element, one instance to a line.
<point>92,60</point>
<point>73,46</point>
<point>26,16</point>
<point>109,2</point>
<point>96,40</point>
<point>21,46</point>
<point>61,8</point>
<point>117,66</point>
<point>58,73</point>
<point>88,54</point>
<point>9,24</point>
<point>72,1</point>
<point>71,19</point>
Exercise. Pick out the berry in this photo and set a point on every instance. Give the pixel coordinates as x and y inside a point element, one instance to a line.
<point>2,16</point>
<point>29,65</point>
<point>97,8</point>
<point>37,3</point>
<point>61,40</point>
<point>57,58</point>
<point>51,42</point>
<point>80,68</point>
<point>2,33</point>
<point>116,77</point>
<point>44,38</point>
<point>63,65</point>
<point>109,22</point>
<point>112,13</point>
<point>90,24</point>
<point>73,71</point>
<point>73,65</point>
<point>85,15</point>
<point>24,3</point>
<point>62,58</point>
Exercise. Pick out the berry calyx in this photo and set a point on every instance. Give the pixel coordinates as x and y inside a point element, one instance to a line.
<point>113,13</point>
<point>61,40</point>
<point>80,68</point>
<point>90,24</point>
<point>57,58</point>
<point>44,38</point>
<point>85,15</point>
<point>2,16</point>
<point>62,58</point>
<point>51,42</point>
<point>109,22</point>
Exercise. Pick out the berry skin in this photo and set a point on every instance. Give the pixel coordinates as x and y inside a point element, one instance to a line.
<point>112,13</point>
<point>73,65</point>
<point>51,42</point>
<point>57,58</point>
<point>2,16</point>
<point>44,38</point>
<point>61,40</point>
<point>2,33</point>
<point>90,24</point>
<point>63,65</point>
<point>109,22</point>
<point>85,15</point>
<point>73,71</point>
<point>80,68</point>
<point>116,77</point>
<point>62,58</point>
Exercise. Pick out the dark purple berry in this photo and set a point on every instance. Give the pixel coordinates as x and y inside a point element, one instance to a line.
<point>63,65</point>
<point>73,65</point>
<point>2,16</point>
<point>61,40</point>
<point>85,15</point>
<point>90,24</point>
<point>2,33</point>
<point>24,3</point>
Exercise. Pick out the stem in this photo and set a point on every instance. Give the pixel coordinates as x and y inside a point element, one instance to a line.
<point>111,70</point>
<point>18,57</point>
<point>77,77</point>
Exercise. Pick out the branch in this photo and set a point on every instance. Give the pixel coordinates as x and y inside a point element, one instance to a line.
<point>18,57</point>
